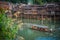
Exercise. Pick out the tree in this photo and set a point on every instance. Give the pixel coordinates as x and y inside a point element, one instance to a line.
<point>8,28</point>
<point>35,1</point>
<point>53,0</point>
<point>38,2</point>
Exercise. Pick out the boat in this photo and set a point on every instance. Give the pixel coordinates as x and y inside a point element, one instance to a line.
<point>37,27</point>
<point>40,28</point>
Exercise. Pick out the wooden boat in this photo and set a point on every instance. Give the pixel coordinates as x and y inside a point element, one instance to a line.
<point>40,28</point>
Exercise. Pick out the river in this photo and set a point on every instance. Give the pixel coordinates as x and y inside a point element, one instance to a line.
<point>25,33</point>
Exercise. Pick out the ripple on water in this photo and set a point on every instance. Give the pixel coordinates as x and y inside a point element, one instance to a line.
<point>45,38</point>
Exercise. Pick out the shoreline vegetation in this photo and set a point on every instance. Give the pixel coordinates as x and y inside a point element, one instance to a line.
<point>8,27</point>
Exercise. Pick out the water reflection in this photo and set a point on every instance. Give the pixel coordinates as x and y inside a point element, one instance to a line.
<point>45,38</point>
<point>29,34</point>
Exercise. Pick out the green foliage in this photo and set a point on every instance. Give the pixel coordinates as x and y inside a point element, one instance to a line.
<point>8,28</point>
<point>52,0</point>
<point>41,2</point>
